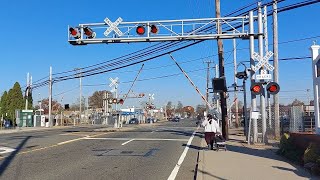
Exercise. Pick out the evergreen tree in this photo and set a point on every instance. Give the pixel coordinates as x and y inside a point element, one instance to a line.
<point>15,100</point>
<point>4,103</point>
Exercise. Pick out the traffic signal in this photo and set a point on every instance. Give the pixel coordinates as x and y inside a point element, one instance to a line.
<point>154,29</point>
<point>256,88</point>
<point>141,94</point>
<point>219,84</point>
<point>273,88</point>
<point>110,101</point>
<point>89,32</point>
<point>114,101</point>
<point>74,32</point>
<point>140,30</point>
<point>66,106</point>
<point>121,101</point>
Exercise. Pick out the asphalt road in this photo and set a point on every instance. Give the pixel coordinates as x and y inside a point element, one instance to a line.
<point>152,152</point>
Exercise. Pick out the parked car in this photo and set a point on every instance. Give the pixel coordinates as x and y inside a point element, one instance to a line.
<point>151,119</point>
<point>176,119</point>
<point>134,121</point>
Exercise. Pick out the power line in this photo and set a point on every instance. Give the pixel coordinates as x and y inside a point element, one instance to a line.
<point>148,51</point>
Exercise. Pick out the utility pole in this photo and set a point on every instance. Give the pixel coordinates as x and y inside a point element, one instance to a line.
<point>208,80</point>
<point>50,96</point>
<point>80,108</point>
<point>221,73</point>
<point>235,82</point>
<point>262,96</point>
<point>107,107</point>
<point>27,90</point>
<point>276,68</point>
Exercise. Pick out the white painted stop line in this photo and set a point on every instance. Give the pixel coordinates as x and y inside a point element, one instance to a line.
<point>4,150</point>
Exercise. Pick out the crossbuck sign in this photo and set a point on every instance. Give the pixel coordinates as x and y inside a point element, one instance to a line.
<point>114,82</point>
<point>113,26</point>
<point>263,61</point>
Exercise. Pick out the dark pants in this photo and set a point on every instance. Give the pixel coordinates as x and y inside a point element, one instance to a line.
<point>209,137</point>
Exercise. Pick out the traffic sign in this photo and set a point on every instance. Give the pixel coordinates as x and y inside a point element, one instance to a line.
<point>263,75</point>
<point>262,61</point>
<point>113,26</point>
<point>114,82</point>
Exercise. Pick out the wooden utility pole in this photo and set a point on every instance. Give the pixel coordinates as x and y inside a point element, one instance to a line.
<point>221,73</point>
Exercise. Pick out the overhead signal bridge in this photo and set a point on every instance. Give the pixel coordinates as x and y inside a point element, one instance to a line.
<point>155,31</point>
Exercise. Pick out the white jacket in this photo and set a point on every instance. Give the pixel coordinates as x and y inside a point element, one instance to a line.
<point>213,127</point>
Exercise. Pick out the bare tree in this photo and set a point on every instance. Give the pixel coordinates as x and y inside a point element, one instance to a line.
<point>96,100</point>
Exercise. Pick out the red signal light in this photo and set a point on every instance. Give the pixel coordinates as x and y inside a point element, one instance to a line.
<point>121,101</point>
<point>273,88</point>
<point>140,30</point>
<point>154,29</point>
<point>256,88</point>
<point>89,32</point>
<point>114,101</point>
<point>74,32</point>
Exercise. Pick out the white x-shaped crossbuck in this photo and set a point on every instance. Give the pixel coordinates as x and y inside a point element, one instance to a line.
<point>262,61</point>
<point>114,82</point>
<point>113,26</point>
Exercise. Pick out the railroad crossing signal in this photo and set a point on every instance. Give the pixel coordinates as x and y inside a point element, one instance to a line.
<point>114,82</point>
<point>256,88</point>
<point>262,61</point>
<point>74,32</point>
<point>273,88</point>
<point>113,26</point>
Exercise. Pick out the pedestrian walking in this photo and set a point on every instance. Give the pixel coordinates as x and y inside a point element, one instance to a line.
<point>211,127</point>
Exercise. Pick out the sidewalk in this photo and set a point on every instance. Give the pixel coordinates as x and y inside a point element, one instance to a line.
<point>243,161</point>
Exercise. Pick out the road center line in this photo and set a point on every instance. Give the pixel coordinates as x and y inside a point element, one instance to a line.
<point>136,139</point>
<point>181,159</point>
<point>127,142</point>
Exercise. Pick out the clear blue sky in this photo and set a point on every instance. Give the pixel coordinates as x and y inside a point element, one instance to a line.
<point>34,37</point>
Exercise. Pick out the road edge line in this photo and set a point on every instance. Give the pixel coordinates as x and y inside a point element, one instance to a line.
<point>175,170</point>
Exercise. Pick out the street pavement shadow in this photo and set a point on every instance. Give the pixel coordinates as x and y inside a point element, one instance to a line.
<point>6,162</point>
<point>211,175</point>
<point>195,147</point>
<point>269,154</point>
<point>299,173</point>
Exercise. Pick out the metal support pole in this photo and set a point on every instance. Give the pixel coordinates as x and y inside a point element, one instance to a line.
<point>246,123</point>
<point>276,68</point>
<point>221,73</point>
<point>235,82</point>
<point>262,96</point>
<point>50,97</point>
<point>266,48</point>
<point>107,107</point>
<point>80,108</point>
<point>207,89</point>
<point>253,97</point>
<point>27,90</point>
<point>217,94</point>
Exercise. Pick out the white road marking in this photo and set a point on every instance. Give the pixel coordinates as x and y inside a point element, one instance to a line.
<point>136,139</point>
<point>127,142</point>
<point>66,142</point>
<point>4,150</point>
<point>183,155</point>
<point>152,132</point>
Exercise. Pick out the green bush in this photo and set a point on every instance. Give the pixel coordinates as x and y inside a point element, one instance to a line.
<point>288,149</point>
<point>312,153</point>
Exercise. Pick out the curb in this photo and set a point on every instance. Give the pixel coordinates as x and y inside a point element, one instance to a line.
<point>201,162</point>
